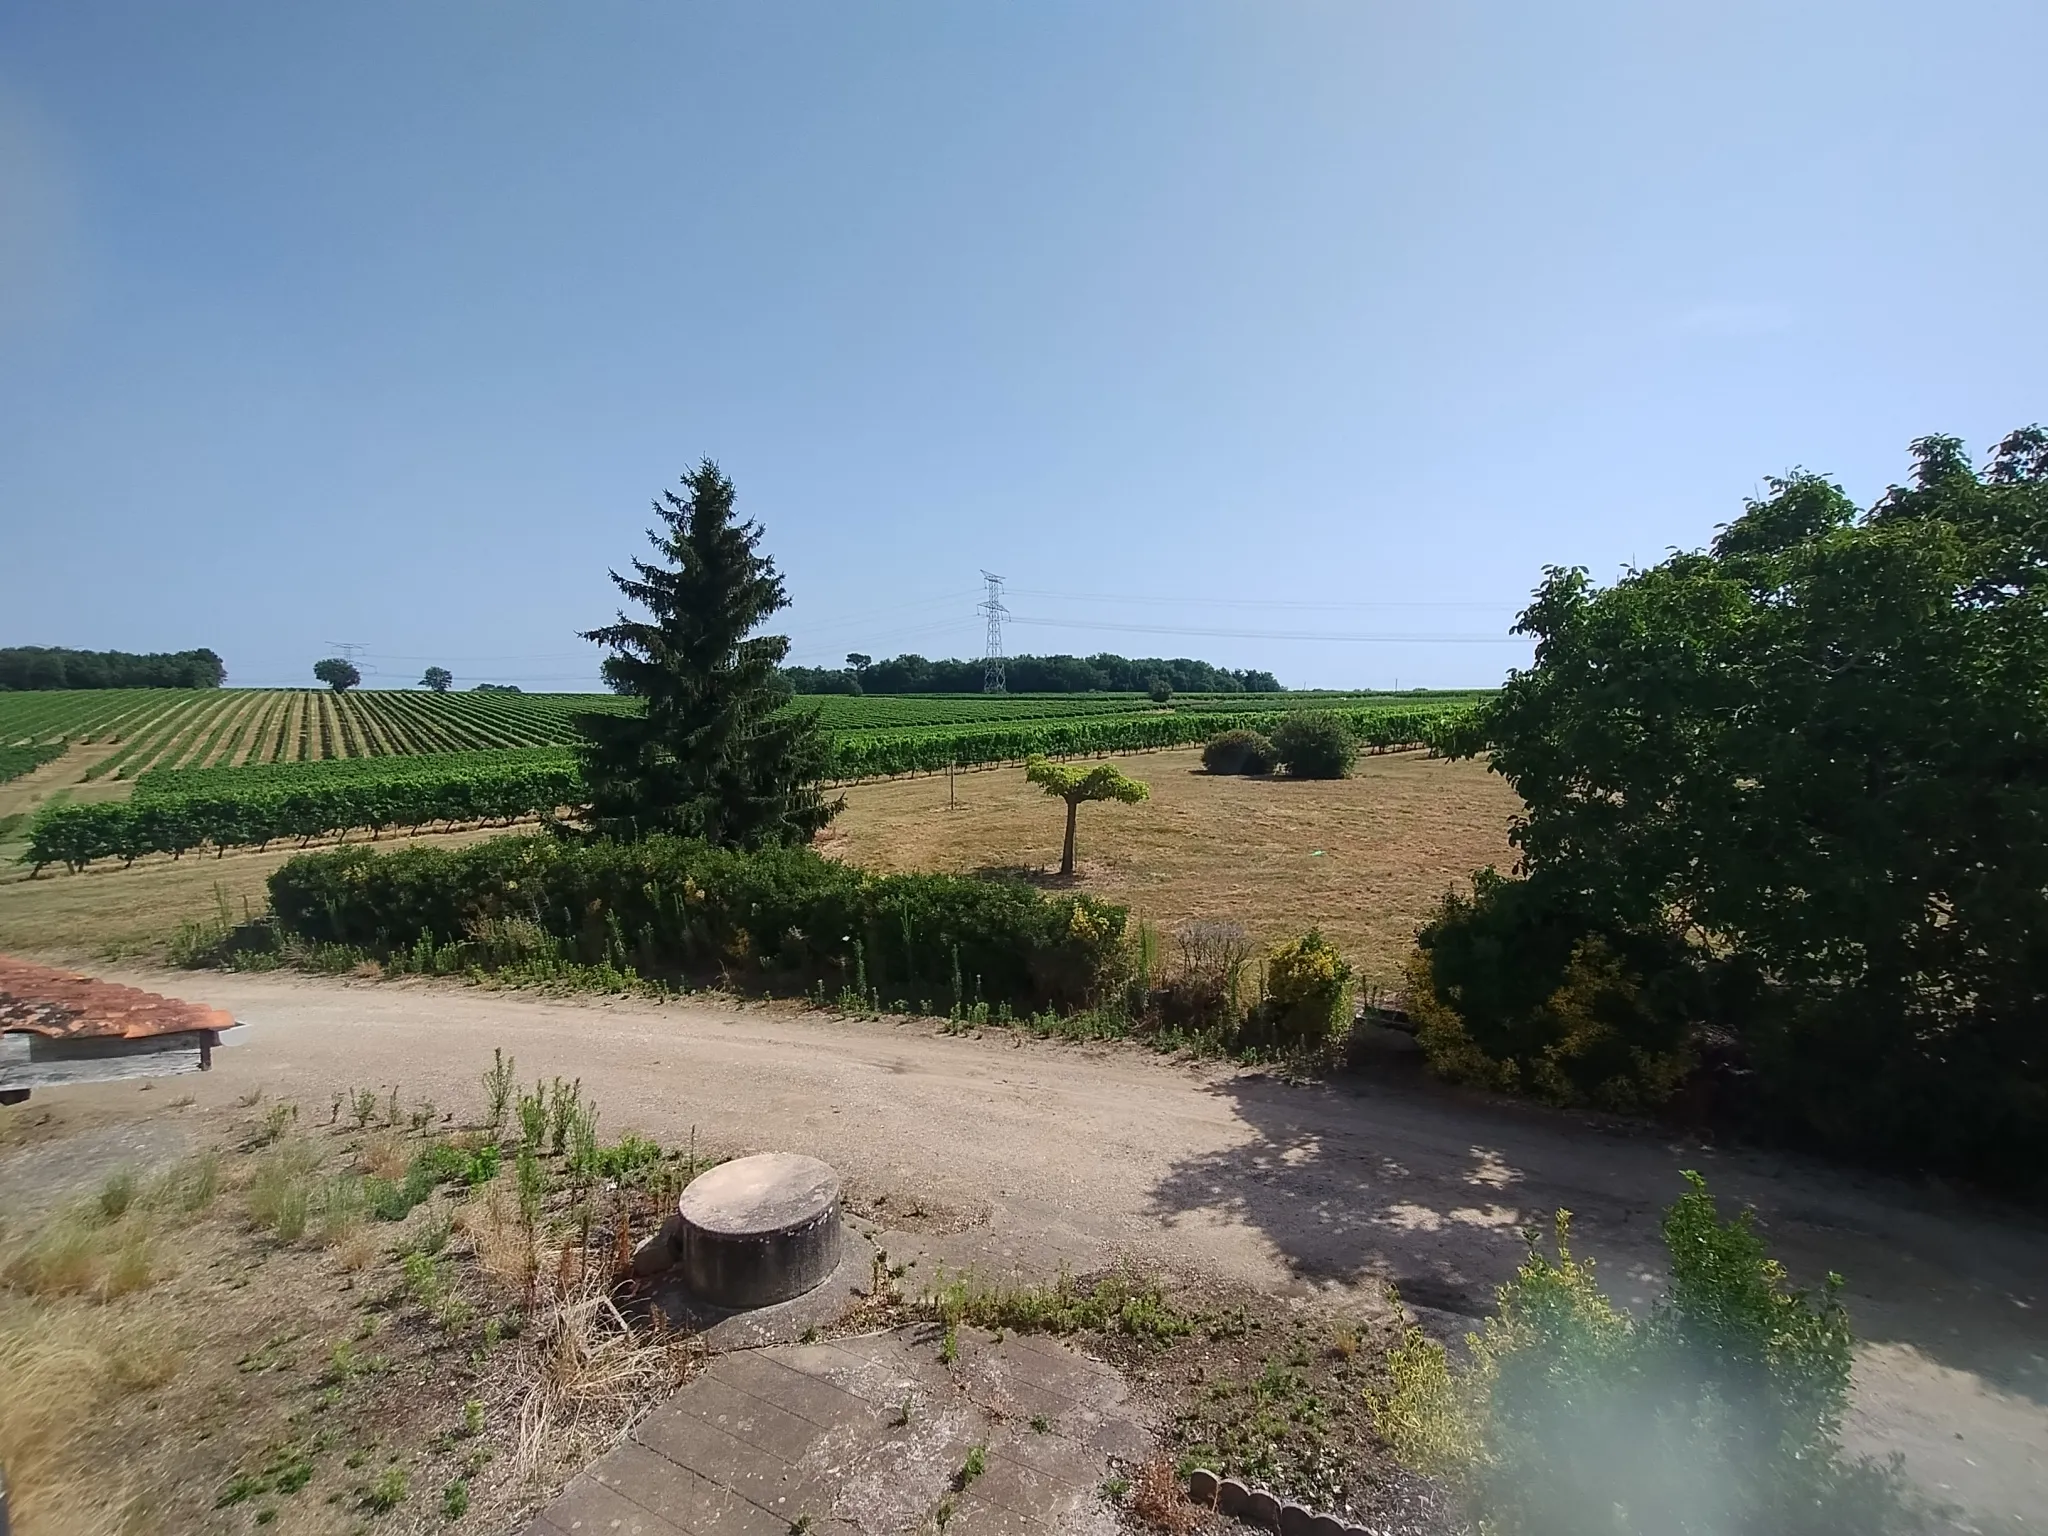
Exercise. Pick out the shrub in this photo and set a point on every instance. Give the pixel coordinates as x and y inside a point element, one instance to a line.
<point>1240,752</point>
<point>783,917</point>
<point>1718,1413</point>
<point>1518,988</point>
<point>1308,997</point>
<point>1208,990</point>
<point>1160,691</point>
<point>1314,744</point>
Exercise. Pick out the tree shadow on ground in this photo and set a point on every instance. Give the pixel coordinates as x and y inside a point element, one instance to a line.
<point>1393,1176</point>
<point>1029,874</point>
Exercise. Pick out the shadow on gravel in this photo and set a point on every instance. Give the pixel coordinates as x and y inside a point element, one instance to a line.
<point>1401,1179</point>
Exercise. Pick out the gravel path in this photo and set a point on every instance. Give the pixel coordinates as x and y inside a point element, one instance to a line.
<point>1055,1152</point>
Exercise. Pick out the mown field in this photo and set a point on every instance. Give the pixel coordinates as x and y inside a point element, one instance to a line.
<point>244,769</point>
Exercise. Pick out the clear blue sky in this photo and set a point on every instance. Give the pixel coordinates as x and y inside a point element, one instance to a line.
<point>383,322</point>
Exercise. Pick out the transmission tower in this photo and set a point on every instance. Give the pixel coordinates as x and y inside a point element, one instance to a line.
<point>991,607</point>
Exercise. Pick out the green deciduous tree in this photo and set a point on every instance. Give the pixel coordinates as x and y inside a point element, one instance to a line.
<point>715,754</point>
<point>1796,786</point>
<point>337,673</point>
<point>1076,786</point>
<point>440,679</point>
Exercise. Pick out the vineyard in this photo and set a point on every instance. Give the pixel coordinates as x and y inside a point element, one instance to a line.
<point>239,770</point>
<point>157,729</point>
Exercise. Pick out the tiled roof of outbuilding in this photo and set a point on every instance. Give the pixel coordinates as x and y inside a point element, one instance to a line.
<point>41,1000</point>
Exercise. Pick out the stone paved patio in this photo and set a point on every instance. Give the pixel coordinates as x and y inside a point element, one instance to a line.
<point>868,1435</point>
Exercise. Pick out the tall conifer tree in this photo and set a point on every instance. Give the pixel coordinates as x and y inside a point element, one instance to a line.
<point>714,755</point>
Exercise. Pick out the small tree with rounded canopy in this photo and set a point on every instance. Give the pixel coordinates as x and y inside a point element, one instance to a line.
<point>440,679</point>
<point>337,673</point>
<point>1105,781</point>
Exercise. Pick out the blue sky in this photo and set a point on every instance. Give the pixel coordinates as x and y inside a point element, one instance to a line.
<point>1211,327</point>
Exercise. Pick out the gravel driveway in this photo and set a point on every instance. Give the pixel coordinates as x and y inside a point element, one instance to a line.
<point>1053,1153</point>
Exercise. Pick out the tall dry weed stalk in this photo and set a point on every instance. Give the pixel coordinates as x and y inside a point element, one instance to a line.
<point>594,1373</point>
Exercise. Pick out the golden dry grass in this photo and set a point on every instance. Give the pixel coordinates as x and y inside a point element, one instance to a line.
<point>112,912</point>
<point>1364,858</point>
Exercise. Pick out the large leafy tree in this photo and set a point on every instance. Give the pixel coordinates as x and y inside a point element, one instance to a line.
<point>338,673</point>
<point>714,754</point>
<point>1795,788</point>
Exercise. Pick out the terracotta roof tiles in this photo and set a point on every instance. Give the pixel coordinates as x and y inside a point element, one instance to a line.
<point>40,1000</point>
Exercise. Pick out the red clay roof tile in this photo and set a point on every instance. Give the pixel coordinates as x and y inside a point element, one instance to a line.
<point>41,1000</point>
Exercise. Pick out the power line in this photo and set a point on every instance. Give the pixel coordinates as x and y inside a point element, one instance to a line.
<point>1273,634</point>
<point>1257,602</point>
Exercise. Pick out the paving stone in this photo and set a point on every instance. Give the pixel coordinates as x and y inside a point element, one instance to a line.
<point>675,1493</point>
<point>760,1422</point>
<point>687,1440</point>
<point>588,1508</point>
<point>764,1437</point>
<point>1059,1457</point>
<point>1015,1486</point>
<point>1123,1438</point>
<point>975,1516</point>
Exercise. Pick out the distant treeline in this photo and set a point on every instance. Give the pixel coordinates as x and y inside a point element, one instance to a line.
<point>1029,674</point>
<point>25,668</point>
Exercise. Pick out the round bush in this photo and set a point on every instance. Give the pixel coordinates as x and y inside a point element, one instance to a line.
<point>1160,691</point>
<point>1308,997</point>
<point>1240,752</point>
<point>1313,745</point>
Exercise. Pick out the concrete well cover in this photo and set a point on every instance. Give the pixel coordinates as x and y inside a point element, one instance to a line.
<point>760,1230</point>
<point>754,1196</point>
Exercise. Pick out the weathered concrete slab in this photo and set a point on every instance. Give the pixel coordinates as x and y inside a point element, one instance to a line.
<point>867,1437</point>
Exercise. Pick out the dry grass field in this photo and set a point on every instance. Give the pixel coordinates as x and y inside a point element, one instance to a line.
<point>1364,858</point>
<point>111,913</point>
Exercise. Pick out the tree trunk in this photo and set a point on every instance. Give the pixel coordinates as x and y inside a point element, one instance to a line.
<point>1067,855</point>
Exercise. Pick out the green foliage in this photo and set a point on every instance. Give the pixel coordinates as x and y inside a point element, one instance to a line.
<point>714,755</point>
<point>1307,1006</point>
<point>778,917</point>
<point>16,761</point>
<point>1719,1413</point>
<point>1159,691</point>
<point>52,667</point>
<point>437,679</point>
<point>1316,744</point>
<point>1240,751</point>
<point>1078,786</point>
<point>387,1492</point>
<point>631,1156</point>
<point>1114,1305</point>
<point>1794,785</point>
<point>338,673</point>
<point>1517,988</point>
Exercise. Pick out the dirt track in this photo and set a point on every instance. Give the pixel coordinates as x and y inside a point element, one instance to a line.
<point>1077,1153</point>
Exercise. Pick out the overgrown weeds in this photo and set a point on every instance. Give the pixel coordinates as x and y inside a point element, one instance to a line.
<point>1720,1411</point>
<point>1111,1305</point>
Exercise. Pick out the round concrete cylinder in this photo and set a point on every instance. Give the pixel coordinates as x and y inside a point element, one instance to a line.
<point>760,1229</point>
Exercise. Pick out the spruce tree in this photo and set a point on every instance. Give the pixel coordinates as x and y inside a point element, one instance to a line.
<point>714,754</point>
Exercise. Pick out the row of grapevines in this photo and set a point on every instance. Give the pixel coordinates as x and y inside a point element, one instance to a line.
<point>876,754</point>
<point>75,835</point>
<point>16,761</point>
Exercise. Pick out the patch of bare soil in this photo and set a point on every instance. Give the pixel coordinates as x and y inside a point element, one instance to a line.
<point>1364,858</point>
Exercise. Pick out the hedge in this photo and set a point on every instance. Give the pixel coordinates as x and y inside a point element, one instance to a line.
<point>783,915</point>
